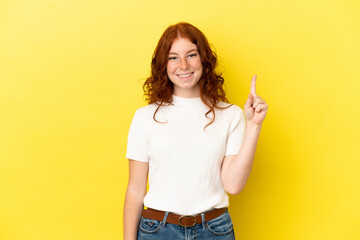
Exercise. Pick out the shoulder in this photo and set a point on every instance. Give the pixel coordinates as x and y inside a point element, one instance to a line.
<point>150,108</point>
<point>231,108</point>
<point>145,113</point>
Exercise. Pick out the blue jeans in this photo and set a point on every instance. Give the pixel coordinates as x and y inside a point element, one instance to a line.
<point>220,227</point>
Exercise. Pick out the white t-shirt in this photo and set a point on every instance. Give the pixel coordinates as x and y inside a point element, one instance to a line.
<point>184,160</point>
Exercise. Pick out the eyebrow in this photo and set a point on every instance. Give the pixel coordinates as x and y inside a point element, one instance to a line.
<point>186,53</point>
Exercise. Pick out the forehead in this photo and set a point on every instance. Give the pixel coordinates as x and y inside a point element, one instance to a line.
<point>182,44</point>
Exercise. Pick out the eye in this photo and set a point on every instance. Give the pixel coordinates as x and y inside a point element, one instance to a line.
<point>172,58</point>
<point>193,55</point>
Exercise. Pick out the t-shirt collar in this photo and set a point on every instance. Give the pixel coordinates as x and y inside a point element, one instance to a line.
<point>188,103</point>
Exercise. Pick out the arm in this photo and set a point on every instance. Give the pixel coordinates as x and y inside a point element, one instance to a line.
<point>135,193</point>
<point>236,168</point>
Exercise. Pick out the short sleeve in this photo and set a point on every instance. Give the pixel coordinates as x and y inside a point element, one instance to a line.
<point>137,144</point>
<point>236,132</point>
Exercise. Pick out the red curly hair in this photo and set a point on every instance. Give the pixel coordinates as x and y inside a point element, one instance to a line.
<point>159,88</point>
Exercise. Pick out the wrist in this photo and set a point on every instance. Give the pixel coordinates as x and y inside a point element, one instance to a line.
<point>253,126</point>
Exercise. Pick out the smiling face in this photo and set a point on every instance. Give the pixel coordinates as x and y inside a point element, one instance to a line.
<point>184,68</point>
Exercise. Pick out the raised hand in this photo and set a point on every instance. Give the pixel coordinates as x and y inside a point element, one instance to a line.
<point>255,108</point>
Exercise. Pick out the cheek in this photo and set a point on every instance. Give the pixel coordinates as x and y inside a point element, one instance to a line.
<point>170,68</point>
<point>199,65</point>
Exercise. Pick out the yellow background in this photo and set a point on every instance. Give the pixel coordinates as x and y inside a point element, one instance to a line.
<point>71,74</point>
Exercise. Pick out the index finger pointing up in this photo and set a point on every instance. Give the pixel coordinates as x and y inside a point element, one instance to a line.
<point>253,86</point>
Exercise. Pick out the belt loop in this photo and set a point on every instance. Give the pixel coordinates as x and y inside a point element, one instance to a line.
<point>165,217</point>
<point>203,219</point>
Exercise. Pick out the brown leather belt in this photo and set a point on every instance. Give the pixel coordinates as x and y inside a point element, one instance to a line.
<point>182,220</point>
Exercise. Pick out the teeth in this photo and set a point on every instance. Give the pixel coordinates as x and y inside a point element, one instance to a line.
<point>186,75</point>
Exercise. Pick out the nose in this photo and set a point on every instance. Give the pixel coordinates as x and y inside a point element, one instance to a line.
<point>184,64</point>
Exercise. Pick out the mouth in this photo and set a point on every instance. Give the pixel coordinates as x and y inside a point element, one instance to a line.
<point>185,75</point>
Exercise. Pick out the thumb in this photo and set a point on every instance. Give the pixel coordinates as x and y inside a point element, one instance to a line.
<point>249,102</point>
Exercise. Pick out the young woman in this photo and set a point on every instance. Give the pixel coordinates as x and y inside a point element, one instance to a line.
<point>190,141</point>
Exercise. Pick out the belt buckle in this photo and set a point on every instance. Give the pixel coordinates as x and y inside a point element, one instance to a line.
<point>187,216</point>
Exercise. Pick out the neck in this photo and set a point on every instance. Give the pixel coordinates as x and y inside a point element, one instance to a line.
<point>187,93</point>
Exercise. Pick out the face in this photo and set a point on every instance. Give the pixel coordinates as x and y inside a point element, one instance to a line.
<point>184,68</point>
